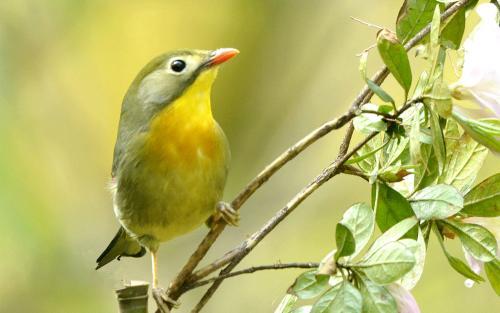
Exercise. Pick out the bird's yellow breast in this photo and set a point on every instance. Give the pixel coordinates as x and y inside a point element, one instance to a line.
<point>185,132</point>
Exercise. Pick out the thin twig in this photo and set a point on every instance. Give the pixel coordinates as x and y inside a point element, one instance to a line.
<point>366,50</point>
<point>254,269</point>
<point>386,115</point>
<point>351,170</point>
<point>366,23</point>
<point>184,276</point>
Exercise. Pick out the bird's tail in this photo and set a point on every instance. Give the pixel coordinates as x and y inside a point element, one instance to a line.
<point>121,245</point>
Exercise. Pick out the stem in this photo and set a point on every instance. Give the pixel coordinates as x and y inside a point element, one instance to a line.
<point>254,269</point>
<point>386,116</point>
<point>366,23</point>
<point>351,170</point>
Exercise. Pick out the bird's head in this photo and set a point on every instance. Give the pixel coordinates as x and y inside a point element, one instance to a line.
<point>167,76</point>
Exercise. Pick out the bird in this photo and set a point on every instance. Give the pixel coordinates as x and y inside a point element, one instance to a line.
<point>171,157</point>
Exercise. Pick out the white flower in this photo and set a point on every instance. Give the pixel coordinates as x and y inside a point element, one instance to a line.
<point>480,80</point>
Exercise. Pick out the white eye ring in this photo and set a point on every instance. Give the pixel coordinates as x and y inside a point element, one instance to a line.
<point>177,66</point>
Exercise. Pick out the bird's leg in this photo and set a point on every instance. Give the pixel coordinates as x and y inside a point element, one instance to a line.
<point>159,294</point>
<point>227,213</point>
<point>154,266</point>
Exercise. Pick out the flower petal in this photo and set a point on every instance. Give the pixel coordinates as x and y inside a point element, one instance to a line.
<point>404,299</point>
<point>480,80</point>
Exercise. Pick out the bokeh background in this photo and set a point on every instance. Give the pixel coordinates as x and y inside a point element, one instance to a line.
<point>64,68</point>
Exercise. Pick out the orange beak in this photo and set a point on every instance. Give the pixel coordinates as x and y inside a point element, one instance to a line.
<point>221,55</point>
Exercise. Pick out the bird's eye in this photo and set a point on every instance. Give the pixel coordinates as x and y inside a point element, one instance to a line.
<point>178,65</point>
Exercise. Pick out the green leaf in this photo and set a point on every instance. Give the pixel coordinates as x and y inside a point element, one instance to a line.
<point>345,241</point>
<point>436,202</point>
<point>476,239</point>
<point>452,33</point>
<point>377,299</point>
<point>395,173</point>
<point>363,59</point>
<point>421,151</point>
<point>464,159</point>
<point>492,270</point>
<point>393,234</point>
<point>413,16</point>
<point>368,123</point>
<point>359,220</point>
<point>440,98</point>
<point>365,154</point>
<point>384,108</point>
<point>434,34</point>
<point>396,153</point>
<point>422,83</point>
<point>471,5</point>
<point>428,173</point>
<point>484,131</point>
<point>451,133</point>
<point>387,264</point>
<point>286,304</point>
<point>462,268</point>
<point>366,158</point>
<point>415,143</point>
<point>419,250</point>
<point>381,93</point>
<point>437,140</point>
<point>394,55</point>
<point>484,199</point>
<point>458,265</point>
<point>384,96</point>
<point>341,298</point>
<point>303,309</point>
<point>308,285</point>
<point>391,207</point>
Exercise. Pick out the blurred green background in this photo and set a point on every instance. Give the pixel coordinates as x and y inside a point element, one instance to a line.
<point>64,68</point>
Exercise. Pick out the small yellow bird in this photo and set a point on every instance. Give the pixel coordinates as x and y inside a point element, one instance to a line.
<point>171,157</point>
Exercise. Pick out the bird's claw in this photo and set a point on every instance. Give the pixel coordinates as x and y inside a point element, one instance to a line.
<point>161,298</point>
<point>228,214</point>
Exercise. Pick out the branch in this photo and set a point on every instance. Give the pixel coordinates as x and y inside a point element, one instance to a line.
<point>254,269</point>
<point>234,256</point>
<point>230,255</point>
<point>177,287</point>
<point>238,253</point>
<point>259,180</point>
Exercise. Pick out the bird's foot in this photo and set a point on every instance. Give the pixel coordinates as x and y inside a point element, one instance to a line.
<point>161,298</point>
<point>228,214</point>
